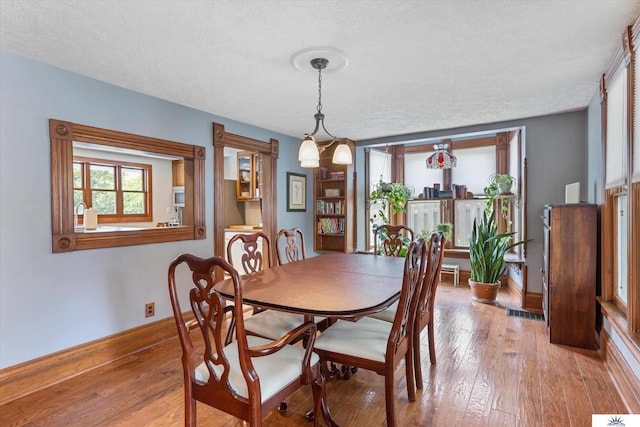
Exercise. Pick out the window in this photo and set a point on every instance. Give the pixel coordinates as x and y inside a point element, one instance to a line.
<point>478,158</point>
<point>427,177</point>
<point>423,215</point>
<point>620,211</point>
<point>475,166</point>
<point>65,136</point>
<point>616,142</point>
<point>379,169</point>
<point>466,212</point>
<point>118,191</point>
<point>622,235</point>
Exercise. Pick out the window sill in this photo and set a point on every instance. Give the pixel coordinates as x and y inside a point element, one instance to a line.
<point>618,320</point>
<point>456,253</point>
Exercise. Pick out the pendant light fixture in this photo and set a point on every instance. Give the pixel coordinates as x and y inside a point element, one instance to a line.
<point>442,158</point>
<point>310,149</point>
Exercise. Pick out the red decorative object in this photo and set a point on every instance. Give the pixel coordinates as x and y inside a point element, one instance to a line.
<point>442,158</point>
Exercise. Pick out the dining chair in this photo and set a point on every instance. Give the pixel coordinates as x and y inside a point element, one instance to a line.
<point>256,256</point>
<point>376,345</point>
<point>391,239</point>
<point>248,377</point>
<point>426,302</point>
<point>290,245</point>
<point>290,248</point>
<point>391,243</point>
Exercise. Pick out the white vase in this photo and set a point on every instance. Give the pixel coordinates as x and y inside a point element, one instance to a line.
<point>504,187</point>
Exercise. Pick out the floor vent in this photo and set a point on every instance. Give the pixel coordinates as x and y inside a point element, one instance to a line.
<point>525,314</point>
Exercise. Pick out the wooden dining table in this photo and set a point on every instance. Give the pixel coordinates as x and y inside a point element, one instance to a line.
<point>345,286</point>
<point>337,286</point>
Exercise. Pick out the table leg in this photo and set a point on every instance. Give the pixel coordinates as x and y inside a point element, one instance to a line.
<point>319,386</point>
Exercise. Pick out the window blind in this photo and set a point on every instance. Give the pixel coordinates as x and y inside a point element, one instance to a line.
<point>636,123</point>
<point>616,143</point>
<point>475,167</point>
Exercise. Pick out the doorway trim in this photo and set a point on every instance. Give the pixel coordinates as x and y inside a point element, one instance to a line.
<point>268,152</point>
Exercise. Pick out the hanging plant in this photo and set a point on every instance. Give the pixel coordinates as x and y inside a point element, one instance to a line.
<point>394,195</point>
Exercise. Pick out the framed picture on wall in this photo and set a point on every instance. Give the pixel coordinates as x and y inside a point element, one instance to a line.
<point>296,192</point>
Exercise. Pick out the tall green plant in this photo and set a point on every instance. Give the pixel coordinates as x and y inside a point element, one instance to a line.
<point>487,249</point>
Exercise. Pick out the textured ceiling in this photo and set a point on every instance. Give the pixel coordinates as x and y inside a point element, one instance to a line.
<point>412,65</point>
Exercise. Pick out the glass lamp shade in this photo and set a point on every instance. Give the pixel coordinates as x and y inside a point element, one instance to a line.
<point>309,163</point>
<point>342,155</point>
<point>308,154</point>
<point>441,159</point>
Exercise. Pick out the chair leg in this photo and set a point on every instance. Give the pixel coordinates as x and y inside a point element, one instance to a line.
<point>432,346</point>
<point>389,398</point>
<point>318,389</point>
<point>189,410</point>
<point>409,368</point>
<point>417,360</point>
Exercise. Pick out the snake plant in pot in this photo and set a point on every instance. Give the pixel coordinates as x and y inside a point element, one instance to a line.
<point>487,249</point>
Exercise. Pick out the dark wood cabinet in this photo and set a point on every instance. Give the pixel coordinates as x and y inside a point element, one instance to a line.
<point>334,212</point>
<point>569,273</point>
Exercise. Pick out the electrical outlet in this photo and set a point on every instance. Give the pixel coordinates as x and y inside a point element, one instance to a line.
<point>150,309</point>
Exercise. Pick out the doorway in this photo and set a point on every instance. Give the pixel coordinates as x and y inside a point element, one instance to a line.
<point>268,157</point>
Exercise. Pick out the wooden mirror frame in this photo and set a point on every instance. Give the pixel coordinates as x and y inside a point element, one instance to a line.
<point>63,235</point>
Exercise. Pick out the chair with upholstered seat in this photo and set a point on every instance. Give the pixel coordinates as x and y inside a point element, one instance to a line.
<point>426,302</point>
<point>389,240</point>
<point>248,377</point>
<point>392,239</point>
<point>377,345</point>
<point>256,256</point>
<point>290,248</point>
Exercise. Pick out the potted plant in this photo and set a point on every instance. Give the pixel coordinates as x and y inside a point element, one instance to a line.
<point>502,182</point>
<point>394,195</point>
<point>487,249</point>
<point>500,187</point>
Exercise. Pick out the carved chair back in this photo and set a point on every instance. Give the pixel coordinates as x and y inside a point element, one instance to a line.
<point>336,343</point>
<point>290,244</point>
<point>426,301</point>
<point>216,381</point>
<point>256,251</point>
<point>391,239</point>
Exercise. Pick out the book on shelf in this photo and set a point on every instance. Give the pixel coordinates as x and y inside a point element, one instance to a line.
<point>330,225</point>
<point>336,174</point>
<point>324,207</point>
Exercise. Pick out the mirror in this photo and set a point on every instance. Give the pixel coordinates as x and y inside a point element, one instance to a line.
<point>119,222</point>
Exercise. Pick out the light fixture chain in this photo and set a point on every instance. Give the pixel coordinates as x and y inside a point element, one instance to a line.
<point>319,90</point>
<point>310,149</point>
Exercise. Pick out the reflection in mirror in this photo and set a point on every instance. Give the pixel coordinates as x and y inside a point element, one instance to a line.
<point>137,189</point>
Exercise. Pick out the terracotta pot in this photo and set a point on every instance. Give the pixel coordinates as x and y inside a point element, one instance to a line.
<point>484,292</point>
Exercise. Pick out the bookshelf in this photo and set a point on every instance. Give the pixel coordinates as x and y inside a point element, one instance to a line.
<point>333,196</point>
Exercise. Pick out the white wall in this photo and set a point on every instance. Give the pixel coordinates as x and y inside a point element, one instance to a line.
<point>49,302</point>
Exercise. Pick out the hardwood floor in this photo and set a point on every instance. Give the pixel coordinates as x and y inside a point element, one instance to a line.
<point>492,370</point>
